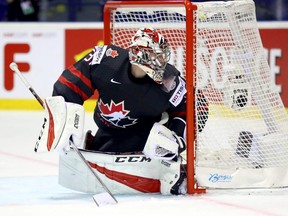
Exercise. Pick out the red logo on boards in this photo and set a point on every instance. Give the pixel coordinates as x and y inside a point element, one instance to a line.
<point>9,51</point>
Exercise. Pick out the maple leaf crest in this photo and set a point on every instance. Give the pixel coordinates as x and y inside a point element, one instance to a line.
<point>116,114</point>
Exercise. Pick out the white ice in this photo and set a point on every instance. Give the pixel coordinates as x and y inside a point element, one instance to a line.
<point>28,185</point>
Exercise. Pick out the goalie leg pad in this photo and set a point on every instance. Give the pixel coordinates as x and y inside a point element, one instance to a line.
<point>122,173</point>
<point>173,179</point>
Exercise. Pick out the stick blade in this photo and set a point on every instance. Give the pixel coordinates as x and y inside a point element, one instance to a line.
<point>103,199</point>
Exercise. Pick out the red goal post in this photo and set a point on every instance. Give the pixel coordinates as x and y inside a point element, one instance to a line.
<point>189,36</point>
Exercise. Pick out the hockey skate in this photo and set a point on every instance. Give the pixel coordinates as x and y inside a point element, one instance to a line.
<point>180,187</point>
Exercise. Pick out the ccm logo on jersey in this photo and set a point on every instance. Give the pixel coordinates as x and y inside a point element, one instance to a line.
<point>179,93</point>
<point>98,54</point>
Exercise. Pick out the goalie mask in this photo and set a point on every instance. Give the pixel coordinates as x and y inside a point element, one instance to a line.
<point>150,51</point>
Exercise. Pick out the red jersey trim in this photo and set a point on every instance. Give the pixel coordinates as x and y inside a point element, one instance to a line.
<point>77,73</point>
<point>178,114</point>
<point>73,87</point>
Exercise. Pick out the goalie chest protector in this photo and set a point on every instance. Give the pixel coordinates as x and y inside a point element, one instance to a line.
<point>126,101</point>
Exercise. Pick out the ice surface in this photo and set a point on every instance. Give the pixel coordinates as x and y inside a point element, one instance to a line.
<point>28,185</point>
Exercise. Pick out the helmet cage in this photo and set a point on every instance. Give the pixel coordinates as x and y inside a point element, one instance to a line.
<point>150,54</point>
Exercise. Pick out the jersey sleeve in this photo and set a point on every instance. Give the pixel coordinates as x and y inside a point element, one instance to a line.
<point>177,110</point>
<point>75,84</point>
<point>177,122</point>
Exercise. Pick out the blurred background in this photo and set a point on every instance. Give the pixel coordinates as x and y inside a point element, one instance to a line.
<point>91,10</point>
<point>30,28</point>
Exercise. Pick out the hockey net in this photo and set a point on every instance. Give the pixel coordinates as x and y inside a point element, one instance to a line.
<point>244,143</point>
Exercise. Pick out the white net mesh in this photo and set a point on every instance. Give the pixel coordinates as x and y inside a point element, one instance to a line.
<point>126,21</point>
<point>246,132</point>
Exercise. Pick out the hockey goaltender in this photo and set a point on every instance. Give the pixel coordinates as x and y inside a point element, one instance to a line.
<point>140,115</point>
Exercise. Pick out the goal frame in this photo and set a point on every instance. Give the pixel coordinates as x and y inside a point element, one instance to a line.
<point>192,187</point>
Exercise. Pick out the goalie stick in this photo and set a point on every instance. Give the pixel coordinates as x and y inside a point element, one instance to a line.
<point>101,199</point>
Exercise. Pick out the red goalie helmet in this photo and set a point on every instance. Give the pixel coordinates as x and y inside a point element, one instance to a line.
<point>150,51</point>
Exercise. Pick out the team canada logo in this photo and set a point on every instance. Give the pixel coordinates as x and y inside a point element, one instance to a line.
<point>116,114</point>
<point>112,53</point>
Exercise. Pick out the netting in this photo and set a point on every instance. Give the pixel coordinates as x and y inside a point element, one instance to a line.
<point>247,127</point>
<point>128,20</point>
<point>244,143</point>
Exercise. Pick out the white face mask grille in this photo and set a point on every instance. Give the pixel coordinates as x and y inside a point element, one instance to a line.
<point>151,52</point>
